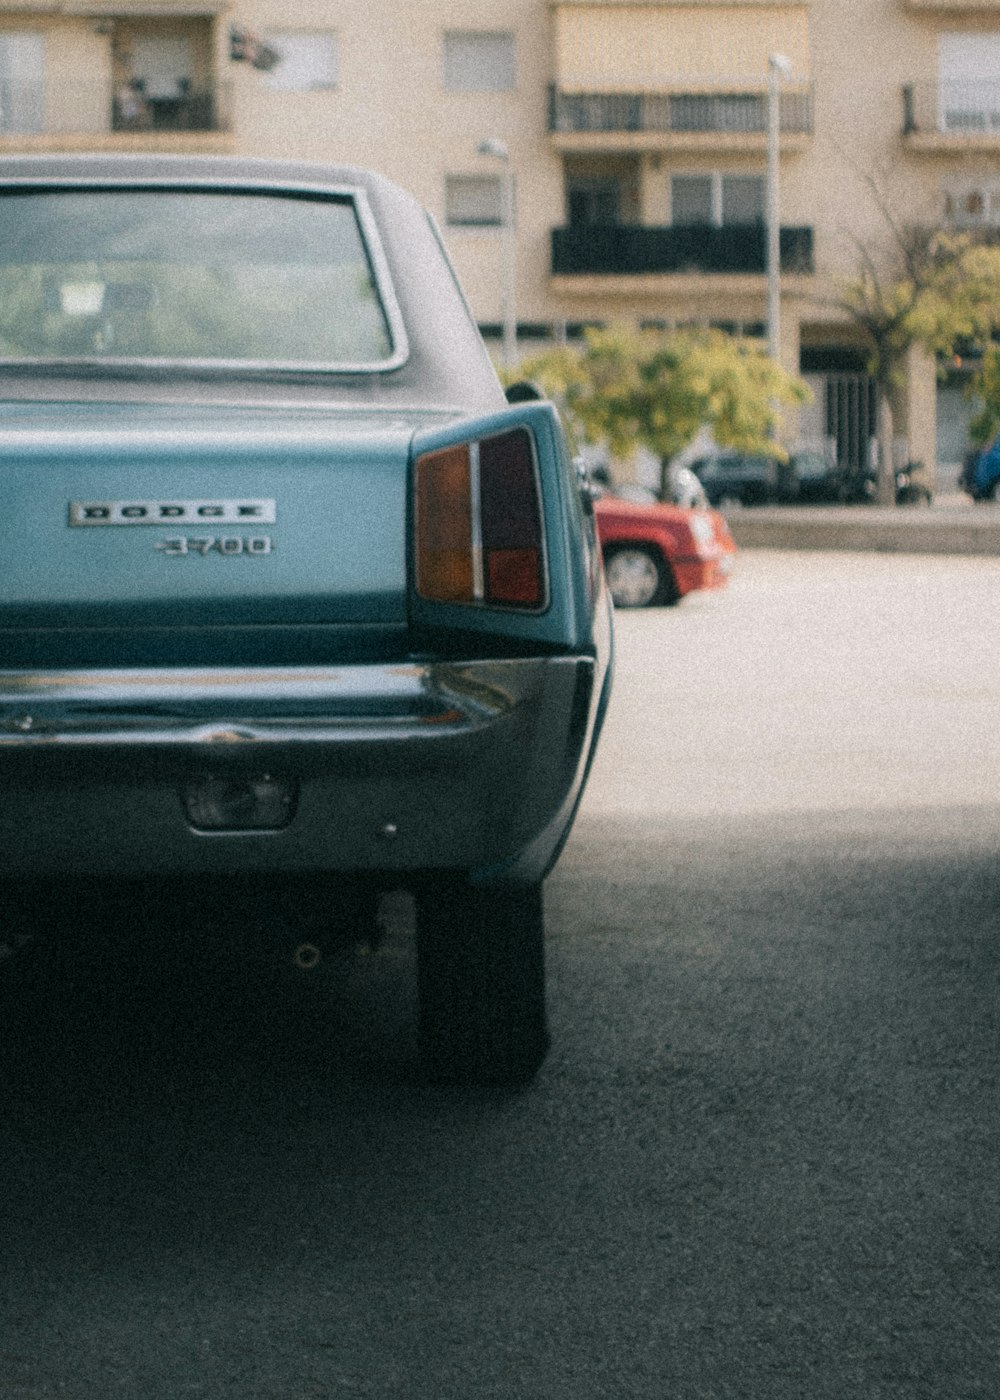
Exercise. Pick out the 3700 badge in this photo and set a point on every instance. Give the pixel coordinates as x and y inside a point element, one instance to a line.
<point>254,545</point>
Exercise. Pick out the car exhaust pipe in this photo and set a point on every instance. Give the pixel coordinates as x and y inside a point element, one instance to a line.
<point>307,957</point>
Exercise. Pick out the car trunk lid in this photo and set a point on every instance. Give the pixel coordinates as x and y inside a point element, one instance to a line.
<point>127,519</point>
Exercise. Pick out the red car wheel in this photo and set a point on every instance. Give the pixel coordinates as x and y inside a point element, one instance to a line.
<point>637,577</point>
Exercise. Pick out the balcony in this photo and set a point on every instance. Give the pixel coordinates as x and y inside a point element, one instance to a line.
<point>90,116</point>
<point>186,111</point>
<point>952,116</point>
<point>632,250</point>
<point>712,120</point>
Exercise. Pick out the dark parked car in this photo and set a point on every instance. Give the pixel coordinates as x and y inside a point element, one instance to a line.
<point>749,478</point>
<point>290,594</point>
<point>817,478</point>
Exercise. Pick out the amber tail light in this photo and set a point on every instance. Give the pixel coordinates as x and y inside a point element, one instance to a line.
<point>478,524</point>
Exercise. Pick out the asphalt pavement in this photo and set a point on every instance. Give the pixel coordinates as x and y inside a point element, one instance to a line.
<point>759,1163</point>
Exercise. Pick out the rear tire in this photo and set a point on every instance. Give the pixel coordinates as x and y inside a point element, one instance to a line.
<point>638,577</point>
<point>481,982</point>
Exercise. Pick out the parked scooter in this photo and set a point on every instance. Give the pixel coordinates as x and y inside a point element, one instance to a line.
<point>910,490</point>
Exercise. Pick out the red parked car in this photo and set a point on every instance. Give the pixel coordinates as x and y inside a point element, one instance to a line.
<point>655,553</point>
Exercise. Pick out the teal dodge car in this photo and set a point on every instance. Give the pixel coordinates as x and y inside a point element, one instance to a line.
<point>289,593</point>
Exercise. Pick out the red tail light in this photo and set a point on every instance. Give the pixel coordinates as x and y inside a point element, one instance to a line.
<point>444,526</point>
<point>479,524</point>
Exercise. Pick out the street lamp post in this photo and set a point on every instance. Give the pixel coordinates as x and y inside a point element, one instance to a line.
<point>777,67</point>
<point>498,150</point>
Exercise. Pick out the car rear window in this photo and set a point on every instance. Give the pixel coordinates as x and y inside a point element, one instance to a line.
<point>193,275</point>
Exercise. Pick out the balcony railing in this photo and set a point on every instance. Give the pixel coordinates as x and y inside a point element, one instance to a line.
<point>188,110</point>
<point>952,4</point>
<point>75,109</point>
<point>738,113</point>
<point>631,249</point>
<point>952,108</point>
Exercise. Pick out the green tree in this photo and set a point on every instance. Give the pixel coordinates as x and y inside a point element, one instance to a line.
<point>933,289</point>
<point>656,390</point>
<point>984,391</point>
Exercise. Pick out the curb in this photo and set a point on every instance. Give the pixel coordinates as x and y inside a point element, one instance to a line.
<point>905,530</point>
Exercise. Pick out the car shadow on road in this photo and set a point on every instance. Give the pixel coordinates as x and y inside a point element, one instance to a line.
<point>118,1004</point>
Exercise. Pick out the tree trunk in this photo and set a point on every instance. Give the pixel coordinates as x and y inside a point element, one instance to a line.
<point>886,460</point>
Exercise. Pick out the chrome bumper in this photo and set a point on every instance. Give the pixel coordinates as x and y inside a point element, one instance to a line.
<point>474,765</point>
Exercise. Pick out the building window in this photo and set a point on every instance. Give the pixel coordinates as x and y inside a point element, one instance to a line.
<point>307,62</point>
<point>479,61</point>
<point>22,82</point>
<point>972,206</point>
<point>692,199</point>
<point>716,200</point>
<point>742,199</point>
<point>593,200</point>
<point>968,68</point>
<point>474,201</point>
<point>162,65</point>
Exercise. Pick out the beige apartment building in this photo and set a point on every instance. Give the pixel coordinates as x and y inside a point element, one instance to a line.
<point>627,138</point>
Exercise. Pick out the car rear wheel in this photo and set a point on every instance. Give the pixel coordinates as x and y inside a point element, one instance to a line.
<point>481,981</point>
<point>637,577</point>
